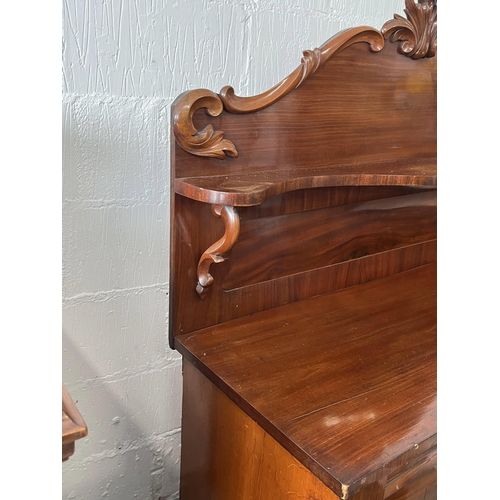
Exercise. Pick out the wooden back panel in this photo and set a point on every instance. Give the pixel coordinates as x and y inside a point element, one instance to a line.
<point>280,246</point>
<point>344,124</point>
<point>293,254</point>
<point>359,107</point>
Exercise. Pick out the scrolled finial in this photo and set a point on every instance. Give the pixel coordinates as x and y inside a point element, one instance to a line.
<point>206,142</point>
<point>418,33</point>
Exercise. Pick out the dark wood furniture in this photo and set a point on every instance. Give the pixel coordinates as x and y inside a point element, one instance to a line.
<point>303,275</point>
<point>73,425</point>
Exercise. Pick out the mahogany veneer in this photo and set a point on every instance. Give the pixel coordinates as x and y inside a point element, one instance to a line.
<point>255,187</point>
<point>346,382</point>
<point>303,274</point>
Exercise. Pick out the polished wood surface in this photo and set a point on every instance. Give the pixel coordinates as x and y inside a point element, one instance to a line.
<point>217,252</point>
<point>346,382</point>
<point>360,108</point>
<point>418,34</point>
<point>312,60</point>
<point>225,455</point>
<point>73,425</point>
<point>419,483</point>
<point>303,274</point>
<point>253,188</point>
<point>210,143</point>
<point>207,142</point>
<point>311,240</point>
<point>232,295</point>
<point>305,200</point>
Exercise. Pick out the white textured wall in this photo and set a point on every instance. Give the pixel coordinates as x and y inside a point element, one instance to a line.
<point>124,61</point>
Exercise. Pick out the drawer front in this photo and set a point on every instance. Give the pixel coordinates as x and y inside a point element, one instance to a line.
<point>417,484</point>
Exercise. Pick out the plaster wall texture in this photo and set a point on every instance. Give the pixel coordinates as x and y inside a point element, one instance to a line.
<point>124,62</point>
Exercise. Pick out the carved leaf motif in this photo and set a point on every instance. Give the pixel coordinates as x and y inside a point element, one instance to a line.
<point>310,63</point>
<point>206,142</point>
<point>418,33</point>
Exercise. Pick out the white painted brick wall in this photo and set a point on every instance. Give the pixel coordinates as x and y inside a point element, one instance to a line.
<point>123,64</point>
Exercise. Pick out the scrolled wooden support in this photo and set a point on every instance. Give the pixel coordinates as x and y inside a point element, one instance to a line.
<point>204,142</point>
<point>217,253</point>
<point>418,33</point>
<point>311,61</point>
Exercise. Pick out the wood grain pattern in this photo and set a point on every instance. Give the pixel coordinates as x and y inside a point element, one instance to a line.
<point>312,60</point>
<point>304,200</point>
<point>253,188</point>
<point>317,340</point>
<point>360,108</point>
<point>418,483</point>
<point>195,229</point>
<point>367,403</point>
<point>302,242</point>
<point>225,455</point>
<point>207,143</point>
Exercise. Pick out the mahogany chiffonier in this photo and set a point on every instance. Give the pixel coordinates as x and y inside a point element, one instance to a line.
<point>303,274</point>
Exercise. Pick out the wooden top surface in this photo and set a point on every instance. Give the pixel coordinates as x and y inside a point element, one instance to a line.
<point>346,382</point>
<point>259,184</point>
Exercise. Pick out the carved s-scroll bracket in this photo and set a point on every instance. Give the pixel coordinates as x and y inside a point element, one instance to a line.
<point>217,253</point>
<point>206,142</point>
<point>418,33</point>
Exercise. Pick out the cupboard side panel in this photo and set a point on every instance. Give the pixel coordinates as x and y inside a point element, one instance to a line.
<point>226,455</point>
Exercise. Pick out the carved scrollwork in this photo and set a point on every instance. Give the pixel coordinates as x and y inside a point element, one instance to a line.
<point>206,142</point>
<point>218,251</point>
<point>311,61</point>
<point>418,33</point>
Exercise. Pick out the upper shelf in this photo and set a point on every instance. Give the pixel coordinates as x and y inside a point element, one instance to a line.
<point>254,187</point>
<point>357,111</point>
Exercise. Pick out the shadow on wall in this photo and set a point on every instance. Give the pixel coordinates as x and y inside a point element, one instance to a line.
<point>120,457</point>
<point>116,362</point>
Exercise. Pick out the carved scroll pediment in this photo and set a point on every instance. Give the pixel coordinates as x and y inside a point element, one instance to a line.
<point>418,39</point>
<point>311,61</point>
<point>208,142</point>
<point>418,33</point>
